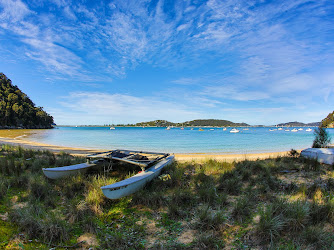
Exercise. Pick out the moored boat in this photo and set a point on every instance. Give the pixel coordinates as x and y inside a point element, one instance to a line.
<point>234,130</point>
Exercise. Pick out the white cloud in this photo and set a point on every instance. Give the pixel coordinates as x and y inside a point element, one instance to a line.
<point>13,11</point>
<point>106,108</point>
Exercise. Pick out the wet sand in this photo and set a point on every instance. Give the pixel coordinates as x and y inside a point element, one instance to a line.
<point>16,137</point>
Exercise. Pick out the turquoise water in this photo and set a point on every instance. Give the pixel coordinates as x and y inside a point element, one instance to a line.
<point>175,140</point>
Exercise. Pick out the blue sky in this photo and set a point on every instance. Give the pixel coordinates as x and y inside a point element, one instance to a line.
<point>101,62</point>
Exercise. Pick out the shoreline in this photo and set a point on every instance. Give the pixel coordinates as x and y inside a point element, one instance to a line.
<point>182,157</point>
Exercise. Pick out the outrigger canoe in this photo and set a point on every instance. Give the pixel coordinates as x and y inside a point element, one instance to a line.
<point>136,182</point>
<point>150,163</point>
<point>60,172</point>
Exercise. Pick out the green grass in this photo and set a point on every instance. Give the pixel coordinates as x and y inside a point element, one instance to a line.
<point>249,204</point>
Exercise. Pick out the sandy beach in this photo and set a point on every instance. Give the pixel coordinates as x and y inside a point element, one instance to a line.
<point>17,138</point>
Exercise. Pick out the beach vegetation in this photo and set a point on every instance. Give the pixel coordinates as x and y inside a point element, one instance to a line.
<point>321,138</point>
<point>281,203</point>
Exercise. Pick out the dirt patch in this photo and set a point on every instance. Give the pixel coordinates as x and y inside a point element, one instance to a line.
<point>187,236</point>
<point>151,230</point>
<point>4,216</point>
<point>89,239</point>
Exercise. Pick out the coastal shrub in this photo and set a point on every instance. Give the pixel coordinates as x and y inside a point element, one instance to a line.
<point>28,217</point>
<point>152,199</point>
<point>21,181</point>
<point>37,223</point>
<point>293,153</point>
<point>4,166</point>
<point>270,224</point>
<point>208,240</point>
<point>180,203</point>
<point>129,236</point>
<point>317,238</point>
<point>297,215</point>
<point>38,163</point>
<point>64,159</point>
<point>41,189</point>
<point>4,186</point>
<point>208,219</point>
<point>94,194</point>
<point>55,229</point>
<point>230,183</point>
<point>242,209</point>
<point>72,186</point>
<point>321,138</point>
<point>330,209</point>
<point>183,198</point>
<point>178,177</point>
<point>318,213</point>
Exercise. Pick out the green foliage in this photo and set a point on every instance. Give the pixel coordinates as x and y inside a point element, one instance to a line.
<point>17,110</point>
<point>322,138</point>
<point>328,121</point>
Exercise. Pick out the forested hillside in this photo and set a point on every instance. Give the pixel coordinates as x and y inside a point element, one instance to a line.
<point>328,122</point>
<point>195,123</point>
<point>17,110</point>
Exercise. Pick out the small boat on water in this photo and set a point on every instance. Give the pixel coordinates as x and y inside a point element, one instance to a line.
<point>234,130</point>
<point>294,130</point>
<point>308,130</point>
<point>112,128</point>
<point>300,129</point>
<point>280,129</point>
<point>150,163</point>
<point>224,129</point>
<point>168,128</point>
<point>200,129</point>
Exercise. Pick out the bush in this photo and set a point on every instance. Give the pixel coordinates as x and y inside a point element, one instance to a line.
<point>322,138</point>
<point>270,224</point>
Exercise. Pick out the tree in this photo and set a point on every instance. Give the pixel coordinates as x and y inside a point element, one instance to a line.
<point>17,110</point>
<point>322,139</point>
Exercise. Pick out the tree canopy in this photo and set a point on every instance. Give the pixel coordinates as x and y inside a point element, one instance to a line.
<point>17,109</point>
<point>328,122</point>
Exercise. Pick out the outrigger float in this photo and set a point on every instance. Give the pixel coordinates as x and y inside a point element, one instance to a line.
<point>150,163</point>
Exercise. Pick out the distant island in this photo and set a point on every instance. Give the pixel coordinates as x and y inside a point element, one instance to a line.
<point>194,123</point>
<point>299,124</point>
<point>208,123</point>
<point>18,111</point>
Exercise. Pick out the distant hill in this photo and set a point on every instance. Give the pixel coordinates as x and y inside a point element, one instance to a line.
<point>328,122</point>
<point>298,124</point>
<point>215,123</point>
<point>17,110</point>
<point>194,123</point>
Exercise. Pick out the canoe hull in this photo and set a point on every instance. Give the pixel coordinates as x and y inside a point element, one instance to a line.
<point>61,172</point>
<point>133,184</point>
<point>322,155</point>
